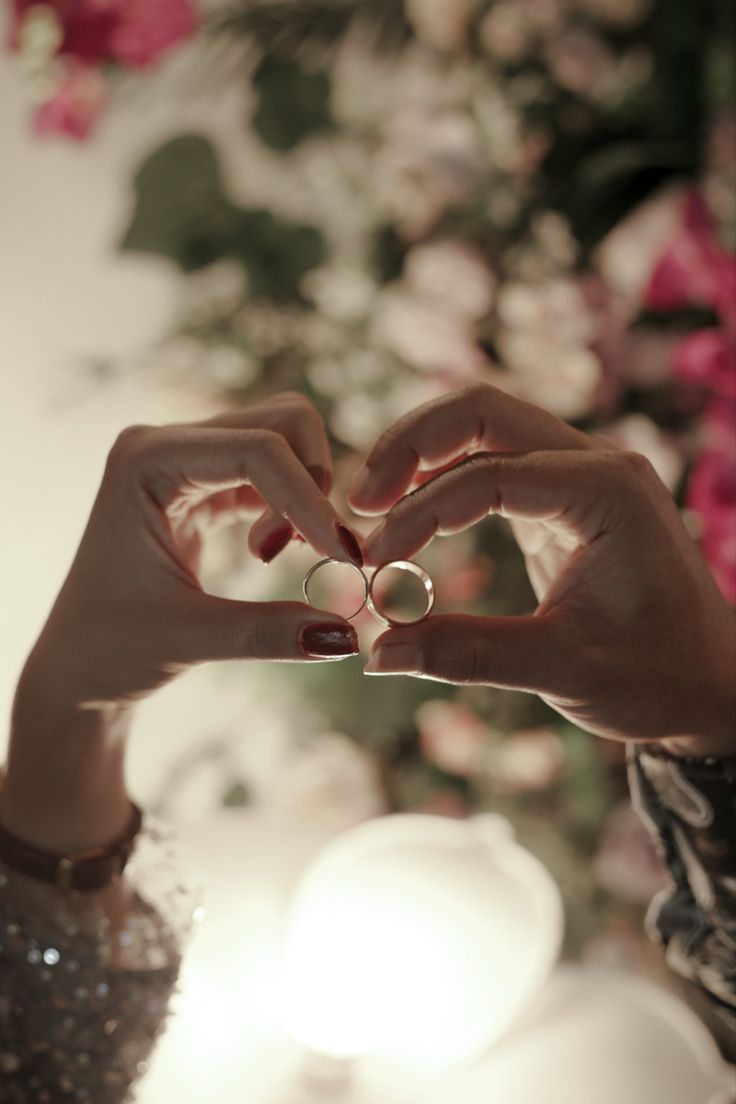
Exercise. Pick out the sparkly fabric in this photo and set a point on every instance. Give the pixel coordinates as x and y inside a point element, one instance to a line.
<point>85,979</point>
<point>690,807</point>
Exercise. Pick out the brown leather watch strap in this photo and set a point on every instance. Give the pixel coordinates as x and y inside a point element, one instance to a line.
<point>82,870</point>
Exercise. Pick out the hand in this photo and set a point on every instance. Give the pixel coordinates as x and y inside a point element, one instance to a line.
<point>631,638</point>
<point>132,613</point>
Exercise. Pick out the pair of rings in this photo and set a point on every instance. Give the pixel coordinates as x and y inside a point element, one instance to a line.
<point>369,588</point>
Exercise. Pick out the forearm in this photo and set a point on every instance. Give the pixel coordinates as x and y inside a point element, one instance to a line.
<point>64,788</point>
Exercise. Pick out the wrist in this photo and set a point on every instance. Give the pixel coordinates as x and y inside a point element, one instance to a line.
<point>712,731</point>
<point>64,788</point>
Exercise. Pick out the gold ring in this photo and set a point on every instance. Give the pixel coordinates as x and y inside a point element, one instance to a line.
<point>414,569</point>
<point>340,563</point>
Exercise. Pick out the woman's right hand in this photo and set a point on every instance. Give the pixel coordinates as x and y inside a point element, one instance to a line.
<point>631,638</point>
<point>132,613</point>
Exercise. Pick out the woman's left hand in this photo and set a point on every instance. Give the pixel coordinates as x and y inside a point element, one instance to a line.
<point>132,612</point>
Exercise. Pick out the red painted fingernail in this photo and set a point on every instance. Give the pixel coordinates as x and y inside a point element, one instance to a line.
<point>329,641</point>
<point>274,543</point>
<point>350,544</point>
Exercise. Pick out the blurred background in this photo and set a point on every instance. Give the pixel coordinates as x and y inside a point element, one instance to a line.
<point>372,202</point>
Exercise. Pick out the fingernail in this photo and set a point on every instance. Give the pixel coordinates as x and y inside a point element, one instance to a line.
<point>395,659</point>
<point>360,484</point>
<point>350,543</point>
<point>274,543</point>
<point>329,641</point>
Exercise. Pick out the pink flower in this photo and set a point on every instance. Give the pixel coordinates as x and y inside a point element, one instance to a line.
<point>627,255</point>
<point>132,32</point>
<point>694,268</point>
<point>527,760</point>
<point>707,358</point>
<point>452,737</point>
<point>627,863</point>
<point>76,105</point>
<point>69,41</point>
<point>711,494</point>
<point>146,30</point>
<point>85,25</point>
<point>466,580</point>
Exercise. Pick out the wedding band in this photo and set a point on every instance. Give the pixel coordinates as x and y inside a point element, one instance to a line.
<point>341,563</point>
<point>414,569</point>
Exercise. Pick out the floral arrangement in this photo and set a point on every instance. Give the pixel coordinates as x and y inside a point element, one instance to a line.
<point>539,193</point>
<point>69,49</point>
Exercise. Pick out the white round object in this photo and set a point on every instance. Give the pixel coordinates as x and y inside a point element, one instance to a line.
<point>421,937</point>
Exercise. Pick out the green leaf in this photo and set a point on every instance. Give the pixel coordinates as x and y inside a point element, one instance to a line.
<point>608,179</point>
<point>277,254</point>
<point>293,103</point>
<point>181,209</point>
<point>182,212</point>
<point>236,796</point>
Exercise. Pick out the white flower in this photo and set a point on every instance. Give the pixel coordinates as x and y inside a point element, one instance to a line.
<point>426,338</point>
<point>506,32</point>
<point>357,419</point>
<point>442,24</point>
<point>544,339</point>
<point>429,157</point>
<point>531,759</point>
<point>453,276</point>
<point>580,61</point>
<point>342,294</point>
<point>331,777</point>
<point>637,433</point>
<point>452,737</point>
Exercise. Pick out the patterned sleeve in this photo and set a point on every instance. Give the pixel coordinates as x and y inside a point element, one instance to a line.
<point>689,806</point>
<point>86,978</point>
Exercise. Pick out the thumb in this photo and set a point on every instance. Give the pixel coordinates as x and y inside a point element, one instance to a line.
<point>519,653</point>
<point>219,628</point>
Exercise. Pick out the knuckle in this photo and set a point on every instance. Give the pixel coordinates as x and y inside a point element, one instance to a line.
<point>460,659</point>
<point>480,394</point>
<point>630,471</point>
<point>637,465</point>
<point>479,463</point>
<point>468,663</point>
<point>297,399</point>
<point>300,409</point>
<point>263,636</point>
<point>130,443</point>
<point>266,441</point>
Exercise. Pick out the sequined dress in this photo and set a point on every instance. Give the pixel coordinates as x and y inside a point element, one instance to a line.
<point>86,979</point>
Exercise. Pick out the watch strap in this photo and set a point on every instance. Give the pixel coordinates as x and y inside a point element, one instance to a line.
<point>86,870</point>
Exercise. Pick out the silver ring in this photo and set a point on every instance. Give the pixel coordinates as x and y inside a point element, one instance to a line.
<point>341,563</point>
<point>421,574</point>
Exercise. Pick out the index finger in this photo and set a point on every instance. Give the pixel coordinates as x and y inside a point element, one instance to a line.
<point>477,418</point>
<point>177,463</point>
<point>571,490</point>
<point>293,416</point>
